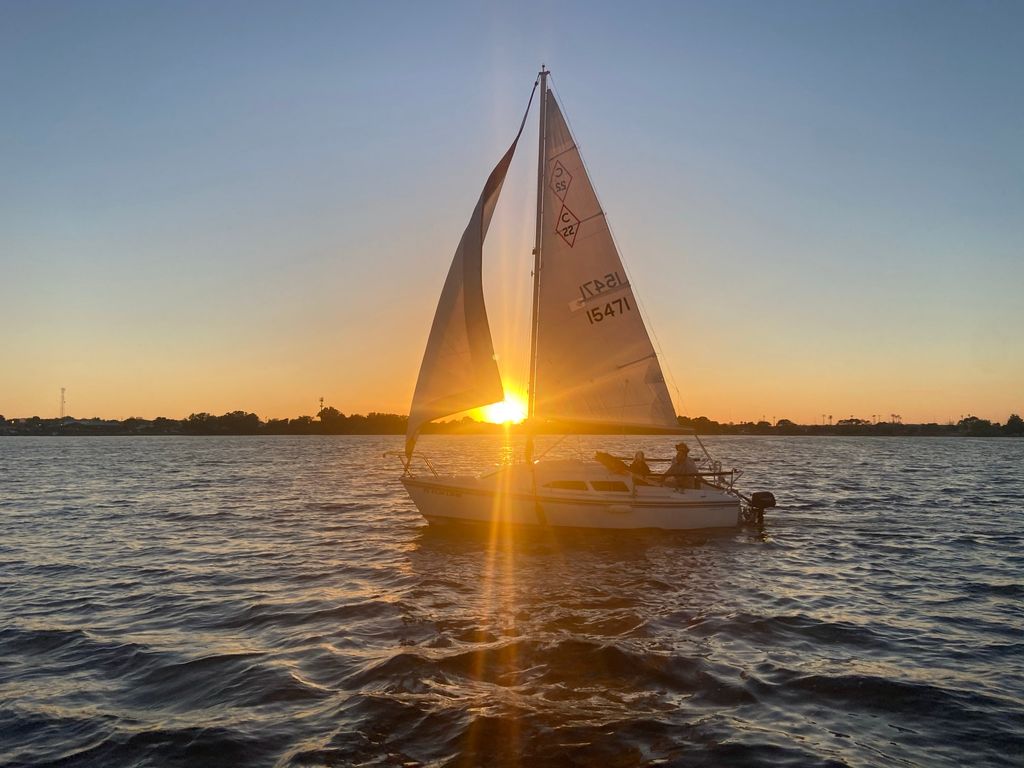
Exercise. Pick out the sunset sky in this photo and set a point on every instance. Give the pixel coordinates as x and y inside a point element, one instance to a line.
<point>249,205</point>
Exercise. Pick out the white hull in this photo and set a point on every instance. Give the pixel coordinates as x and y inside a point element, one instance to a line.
<point>515,495</point>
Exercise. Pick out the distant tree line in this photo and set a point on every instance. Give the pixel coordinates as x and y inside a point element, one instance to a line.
<point>970,426</point>
<point>331,421</point>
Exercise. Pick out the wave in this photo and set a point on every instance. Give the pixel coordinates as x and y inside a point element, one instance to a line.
<point>276,607</point>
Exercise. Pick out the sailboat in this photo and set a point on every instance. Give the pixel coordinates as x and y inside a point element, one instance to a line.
<point>593,367</point>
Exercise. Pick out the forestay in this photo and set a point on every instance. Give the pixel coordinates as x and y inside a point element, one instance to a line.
<point>458,370</point>
<point>595,360</point>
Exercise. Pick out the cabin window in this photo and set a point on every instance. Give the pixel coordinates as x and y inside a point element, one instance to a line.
<point>610,485</point>
<point>567,485</point>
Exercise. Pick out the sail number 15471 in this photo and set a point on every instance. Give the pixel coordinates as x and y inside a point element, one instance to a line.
<point>611,309</point>
<point>592,288</point>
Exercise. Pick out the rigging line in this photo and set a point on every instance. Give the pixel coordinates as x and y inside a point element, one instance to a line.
<point>552,447</point>
<point>567,149</point>
<point>703,447</point>
<point>492,181</point>
<point>525,374</point>
<point>638,360</point>
<point>641,306</point>
<point>527,112</point>
<point>538,248</point>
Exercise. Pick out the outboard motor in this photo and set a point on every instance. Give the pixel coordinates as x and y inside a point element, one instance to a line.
<point>759,502</point>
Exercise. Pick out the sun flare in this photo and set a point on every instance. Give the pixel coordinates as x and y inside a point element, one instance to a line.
<point>511,410</point>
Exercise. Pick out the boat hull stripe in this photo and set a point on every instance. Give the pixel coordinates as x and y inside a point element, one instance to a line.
<point>632,501</point>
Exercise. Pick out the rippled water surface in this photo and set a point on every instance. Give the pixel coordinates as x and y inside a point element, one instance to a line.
<point>280,602</point>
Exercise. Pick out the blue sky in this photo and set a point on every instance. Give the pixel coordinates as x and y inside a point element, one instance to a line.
<point>248,205</point>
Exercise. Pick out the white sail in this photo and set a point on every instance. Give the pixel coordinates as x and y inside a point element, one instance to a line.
<point>595,361</point>
<point>458,370</point>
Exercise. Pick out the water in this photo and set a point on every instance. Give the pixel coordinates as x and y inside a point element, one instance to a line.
<point>280,602</point>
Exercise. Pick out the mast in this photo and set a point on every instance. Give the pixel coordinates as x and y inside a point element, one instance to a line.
<point>541,158</point>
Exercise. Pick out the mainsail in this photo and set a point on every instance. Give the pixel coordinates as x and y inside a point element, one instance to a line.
<point>458,370</point>
<point>595,363</point>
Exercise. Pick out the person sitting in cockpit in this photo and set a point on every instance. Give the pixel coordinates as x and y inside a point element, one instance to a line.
<point>639,465</point>
<point>683,471</point>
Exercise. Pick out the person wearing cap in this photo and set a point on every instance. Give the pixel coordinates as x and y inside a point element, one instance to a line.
<point>683,471</point>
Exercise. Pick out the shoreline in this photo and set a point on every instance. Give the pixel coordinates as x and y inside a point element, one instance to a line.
<point>332,422</point>
<point>105,432</point>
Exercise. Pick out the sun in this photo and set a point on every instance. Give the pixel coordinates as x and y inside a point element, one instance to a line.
<point>511,410</point>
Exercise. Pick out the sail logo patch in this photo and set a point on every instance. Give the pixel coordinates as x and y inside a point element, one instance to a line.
<point>560,180</point>
<point>567,225</point>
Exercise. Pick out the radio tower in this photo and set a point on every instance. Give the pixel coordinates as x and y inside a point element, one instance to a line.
<point>62,402</point>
